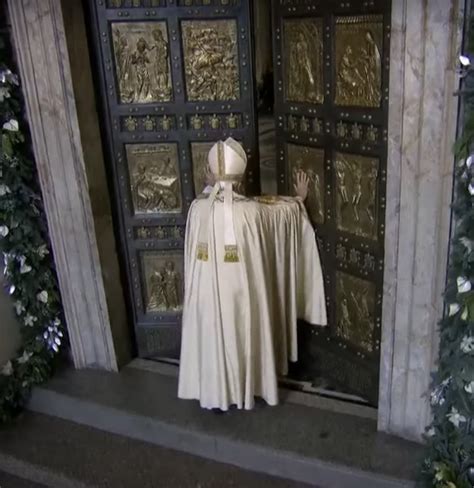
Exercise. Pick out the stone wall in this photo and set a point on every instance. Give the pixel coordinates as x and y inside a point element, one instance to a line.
<point>425,41</point>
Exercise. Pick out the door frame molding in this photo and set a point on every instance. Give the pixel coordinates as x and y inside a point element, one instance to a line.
<point>422,125</point>
<point>425,41</point>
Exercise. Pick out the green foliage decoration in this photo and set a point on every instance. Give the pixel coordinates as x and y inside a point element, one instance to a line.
<point>29,274</point>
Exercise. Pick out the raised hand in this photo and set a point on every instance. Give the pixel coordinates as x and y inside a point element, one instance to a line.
<point>302,184</point>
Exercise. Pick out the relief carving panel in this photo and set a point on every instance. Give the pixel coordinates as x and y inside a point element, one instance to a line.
<point>142,64</point>
<point>356,194</point>
<point>303,60</point>
<point>199,153</point>
<point>211,60</point>
<point>311,161</point>
<point>163,277</point>
<point>355,310</point>
<point>154,177</point>
<point>359,61</point>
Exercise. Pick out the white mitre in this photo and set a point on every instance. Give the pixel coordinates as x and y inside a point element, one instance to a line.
<point>227,161</point>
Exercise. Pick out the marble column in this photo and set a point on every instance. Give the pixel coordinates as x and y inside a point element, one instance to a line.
<point>425,40</point>
<point>39,37</point>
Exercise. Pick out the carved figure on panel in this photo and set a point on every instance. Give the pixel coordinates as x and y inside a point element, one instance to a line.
<point>210,59</point>
<point>359,61</point>
<point>142,62</point>
<point>154,177</point>
<point>356,196</point>
<point>161,65</point>
<point>304,125</point>
<point>164,284</point>
<point>372,188</point>
<point>303,60</point>
<point>157,299</point>
<point>166,123</point>
<point>317,126</point>
<point>199,153</point>
<point>215,122</point>
<point>341,181</point>
<point>123,62</point>
<point>356,131</point>
<point>341,129</point>
<point>171,281</point>
<point>357,191</point>
<point>355,312</point>
<point>231,121</point>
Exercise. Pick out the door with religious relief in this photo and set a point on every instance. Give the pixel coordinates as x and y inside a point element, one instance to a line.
<point>175,76</point>
<point>331,64</point>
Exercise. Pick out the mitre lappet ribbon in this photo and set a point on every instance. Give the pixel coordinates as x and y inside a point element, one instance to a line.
<point>227,161</point>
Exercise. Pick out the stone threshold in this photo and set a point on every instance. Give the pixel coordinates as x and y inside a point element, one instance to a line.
<point>325,448</point>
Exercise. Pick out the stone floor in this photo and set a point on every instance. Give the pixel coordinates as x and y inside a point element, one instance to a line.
<point>10,481</point>
<point>59,454</point>
<point>294,441</point>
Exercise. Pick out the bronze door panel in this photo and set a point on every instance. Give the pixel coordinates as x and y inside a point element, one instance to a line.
<point>358,60</point>
<point>303,53</point>
<point>154,178</point>
<point>331,109</point>
<point>211,60</point>
<point>356,194</point>
<point>163,276</point>
<point>142,63</point>
<point>173,81</point>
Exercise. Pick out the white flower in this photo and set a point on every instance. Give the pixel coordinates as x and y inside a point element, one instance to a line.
<point>464,285</point>
<point>7,369</point>
<point>11,125</point>
<point>24,268</point>
<point>25,357</point>
<point>4,93</point>
<point>471,188</point>
<point>4,190</point>
<point>42,251</point>
<point>4,230</point>
<point>430,432</point>
<point>455,417</point>
<point>469,161</point>
<point>467,344</point>
<point>30,320</point>
<point>19,307</point>
<point>467,243</point>
<point>465,314</point>
<point>42,296</point>
<point>454,308</point>
<point>469,387</point>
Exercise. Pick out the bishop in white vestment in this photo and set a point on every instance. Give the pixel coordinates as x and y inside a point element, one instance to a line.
<point>252,269</point>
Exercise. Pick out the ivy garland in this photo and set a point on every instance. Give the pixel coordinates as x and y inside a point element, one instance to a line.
<point>450,438</point>
<point>29,273</point>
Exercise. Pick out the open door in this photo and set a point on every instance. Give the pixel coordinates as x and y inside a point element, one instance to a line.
<point>174,77</point>
<point>331,63</point>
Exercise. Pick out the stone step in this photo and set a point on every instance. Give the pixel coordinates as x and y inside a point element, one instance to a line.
<point>42,451</point>
<point>298,442</point>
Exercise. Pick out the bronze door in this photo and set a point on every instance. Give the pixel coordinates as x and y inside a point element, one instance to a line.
<point>174,76</point>
<point>331,86</point>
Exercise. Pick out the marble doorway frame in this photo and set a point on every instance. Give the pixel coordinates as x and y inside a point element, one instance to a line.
<point>425,38</point>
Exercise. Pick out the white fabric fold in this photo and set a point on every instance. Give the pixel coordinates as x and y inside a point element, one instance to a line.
<point>239,321</point>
